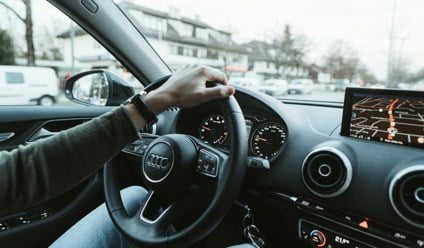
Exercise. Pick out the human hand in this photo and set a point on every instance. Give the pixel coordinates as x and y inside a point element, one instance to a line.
<point>187,88</point>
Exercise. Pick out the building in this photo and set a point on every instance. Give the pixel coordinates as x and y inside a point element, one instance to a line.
<point>262,62</point>
<point>179,40</point>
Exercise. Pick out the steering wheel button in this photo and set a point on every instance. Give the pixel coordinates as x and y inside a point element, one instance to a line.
<point>207,163</point>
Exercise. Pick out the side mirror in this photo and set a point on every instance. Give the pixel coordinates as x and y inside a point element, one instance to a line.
<point>98,87</point>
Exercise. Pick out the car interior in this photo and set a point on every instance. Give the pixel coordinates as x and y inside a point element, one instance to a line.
<point>293,174</point>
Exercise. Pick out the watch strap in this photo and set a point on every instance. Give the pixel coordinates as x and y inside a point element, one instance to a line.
<point>143,108</point>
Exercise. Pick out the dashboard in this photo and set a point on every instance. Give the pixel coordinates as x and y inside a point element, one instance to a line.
<point>331,182</point>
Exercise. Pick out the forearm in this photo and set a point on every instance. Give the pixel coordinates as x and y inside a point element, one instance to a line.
<point>37,172</point>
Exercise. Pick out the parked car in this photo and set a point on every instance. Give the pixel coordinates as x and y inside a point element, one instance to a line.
<point>274,87</point>
<point>22,85</point>
<point>340,85</point>
<point>377,86</point>
<point>300,86</point>
<point>246,82</point>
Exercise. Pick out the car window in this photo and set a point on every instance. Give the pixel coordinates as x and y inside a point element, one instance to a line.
<point>61,49</point>
<point>14,78</point>
<point>363,43</point>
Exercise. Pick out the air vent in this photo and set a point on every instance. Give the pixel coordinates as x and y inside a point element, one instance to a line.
<point>172,109</point>
<point>406,194</point>
<point>327,172</point>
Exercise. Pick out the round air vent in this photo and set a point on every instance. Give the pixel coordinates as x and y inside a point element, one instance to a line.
<point>406,194</point>
<point>327,172</point>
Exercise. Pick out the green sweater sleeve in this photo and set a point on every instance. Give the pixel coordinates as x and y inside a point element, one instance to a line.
<point>34,173</point>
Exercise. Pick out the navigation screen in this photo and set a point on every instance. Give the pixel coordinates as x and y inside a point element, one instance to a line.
<point>391,116</point>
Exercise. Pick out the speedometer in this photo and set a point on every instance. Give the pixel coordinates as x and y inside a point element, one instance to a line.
<point>212,130</point>
<point>267,140</point>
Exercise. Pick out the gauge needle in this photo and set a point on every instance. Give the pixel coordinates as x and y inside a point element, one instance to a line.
<point>259,138</point>
<point>206,128</point>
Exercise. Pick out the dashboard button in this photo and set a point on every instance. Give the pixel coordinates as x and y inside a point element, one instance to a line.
<point>304,204</point>
<point>3,226</point>
<point>364,224</point>
<point>400,237</point>
<point>319,208</point>
<point>419,242</point>
<point>318,238</point>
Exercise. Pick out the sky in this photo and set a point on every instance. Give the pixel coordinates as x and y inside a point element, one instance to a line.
<point>364,24</point>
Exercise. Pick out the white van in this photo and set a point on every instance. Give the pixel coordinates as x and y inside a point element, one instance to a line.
<point>21,85</point>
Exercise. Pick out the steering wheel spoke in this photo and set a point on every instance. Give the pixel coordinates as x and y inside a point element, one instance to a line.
<point>155,214</point>
<point>158,214</point>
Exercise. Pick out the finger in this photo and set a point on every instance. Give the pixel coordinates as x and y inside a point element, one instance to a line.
<point>211,74</point>
<point>218,92</point>
<point>216,75</point>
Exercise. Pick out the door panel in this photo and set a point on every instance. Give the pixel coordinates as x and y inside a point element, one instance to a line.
<point>40,225</point>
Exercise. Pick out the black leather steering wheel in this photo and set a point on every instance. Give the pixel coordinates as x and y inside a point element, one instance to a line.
<point>170,166</point>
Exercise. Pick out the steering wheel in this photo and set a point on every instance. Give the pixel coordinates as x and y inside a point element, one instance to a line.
<point>170,166</point>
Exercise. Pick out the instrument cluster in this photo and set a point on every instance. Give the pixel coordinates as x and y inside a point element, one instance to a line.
<point>267,137</point>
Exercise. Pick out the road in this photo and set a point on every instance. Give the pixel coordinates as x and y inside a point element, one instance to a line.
<point>317,95</point>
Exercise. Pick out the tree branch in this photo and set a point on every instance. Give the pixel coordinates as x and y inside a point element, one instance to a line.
<point>13,11</point>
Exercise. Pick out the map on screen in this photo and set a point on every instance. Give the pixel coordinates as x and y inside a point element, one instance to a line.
<point>390,119</point>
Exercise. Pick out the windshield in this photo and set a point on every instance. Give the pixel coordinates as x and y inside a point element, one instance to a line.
<point>314,49</point>
<point>334,44</point>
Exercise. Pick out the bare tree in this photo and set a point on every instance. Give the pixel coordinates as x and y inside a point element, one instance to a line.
<point>366,76</point>
<point>46,44</point>
<point>399,71</point>
<point>27,21</point>
<point>341,61</point>
<point>289,50</point>
<point>302,47</point>
<point>415,77</point>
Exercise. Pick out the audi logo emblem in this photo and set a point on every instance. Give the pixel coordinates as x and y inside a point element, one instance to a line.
<point>157,161</point>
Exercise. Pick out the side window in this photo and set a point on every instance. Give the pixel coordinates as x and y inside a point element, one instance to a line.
<point>61,49</point>
<point>14,78</point>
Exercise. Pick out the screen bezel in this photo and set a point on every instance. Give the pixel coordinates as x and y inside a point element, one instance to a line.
<point>348,103</point>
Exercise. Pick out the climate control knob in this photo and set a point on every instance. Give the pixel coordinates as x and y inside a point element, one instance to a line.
<point>318,238</point>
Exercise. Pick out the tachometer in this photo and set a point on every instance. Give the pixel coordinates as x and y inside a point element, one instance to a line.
<point>268,139</point>
<point>212,130</point>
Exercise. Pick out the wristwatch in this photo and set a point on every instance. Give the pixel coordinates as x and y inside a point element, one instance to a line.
<point>142,107</point>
